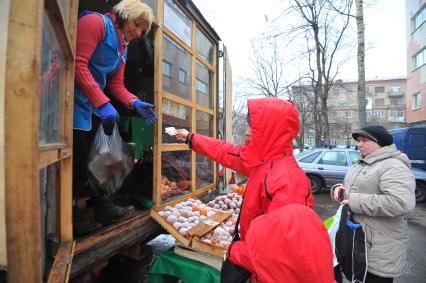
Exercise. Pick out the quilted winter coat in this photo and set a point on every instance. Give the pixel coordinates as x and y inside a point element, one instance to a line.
<point>381,194</point>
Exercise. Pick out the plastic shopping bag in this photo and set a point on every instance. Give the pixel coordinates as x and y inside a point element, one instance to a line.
<point>109,162</point>
<point>332,225</point>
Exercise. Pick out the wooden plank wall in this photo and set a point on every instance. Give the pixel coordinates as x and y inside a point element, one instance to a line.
<point>4,19</point>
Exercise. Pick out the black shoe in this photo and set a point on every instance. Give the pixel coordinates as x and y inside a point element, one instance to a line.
<point>112,214</point>
<point>86,227</point>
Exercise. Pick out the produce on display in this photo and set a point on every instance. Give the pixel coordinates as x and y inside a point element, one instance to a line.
<point>228,203</point>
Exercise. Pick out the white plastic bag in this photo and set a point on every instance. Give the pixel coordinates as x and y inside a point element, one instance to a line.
<point>109,162</point>
<point>332,225</point>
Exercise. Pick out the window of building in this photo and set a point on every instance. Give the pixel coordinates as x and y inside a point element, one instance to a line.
<point>336,91</point>
<point>379,89</point>
<point>369,113</point>
<point>395,89</point>
<point>379,113</point>
<point>418,19</point>
<point>416,102</point>
<point>201,87</point>
<point>350,91</point>
<point>348,102</point>
<point>419,59</point>
<point>379,102</point>
<point>183,76</point>
<point>167,69</point>
<point>349,114</point>
<point>395,101</point>
<point>396,114</point>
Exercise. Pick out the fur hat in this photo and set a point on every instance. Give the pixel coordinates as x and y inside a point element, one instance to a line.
<point>375,133</point>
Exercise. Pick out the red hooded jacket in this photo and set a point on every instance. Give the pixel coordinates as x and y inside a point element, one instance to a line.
<point>275,178</point>
<point>290,244</point>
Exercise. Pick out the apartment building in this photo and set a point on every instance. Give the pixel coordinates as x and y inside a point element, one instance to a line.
<point>386,106</point>
<point>416,62</point>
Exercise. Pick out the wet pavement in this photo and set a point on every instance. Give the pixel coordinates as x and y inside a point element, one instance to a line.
<point>416,256</point>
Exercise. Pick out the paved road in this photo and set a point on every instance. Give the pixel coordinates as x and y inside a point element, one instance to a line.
<point>416,269</point>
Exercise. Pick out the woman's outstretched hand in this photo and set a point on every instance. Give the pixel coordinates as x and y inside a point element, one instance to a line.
<point>181,134</point>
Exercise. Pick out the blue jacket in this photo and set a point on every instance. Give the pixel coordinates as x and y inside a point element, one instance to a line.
<point>106,60</point>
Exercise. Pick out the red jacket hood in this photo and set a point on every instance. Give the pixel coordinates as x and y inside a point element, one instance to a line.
<point>274,123</point>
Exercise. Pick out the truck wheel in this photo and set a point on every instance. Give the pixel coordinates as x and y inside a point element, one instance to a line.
<point>420,191</point>
<point>316,184</point>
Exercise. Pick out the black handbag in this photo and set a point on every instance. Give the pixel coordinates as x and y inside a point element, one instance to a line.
<point>230,272</point>
<point>351,247</point>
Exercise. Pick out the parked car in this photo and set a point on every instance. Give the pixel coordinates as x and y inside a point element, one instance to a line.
<point>327,167</point>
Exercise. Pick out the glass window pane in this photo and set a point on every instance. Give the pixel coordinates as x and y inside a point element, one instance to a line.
<point>204,124</point>
<point>175,174</point>
<point>204,46</point>
<point>152,4</point>
<point>52,77</point>
<point>310,158</point>
<point>176,69</point>
<point>177,22</point>
<point>204,171</point>
<point>204,86</point>
<point>49,186</point>
<point>355,156</point>
<point>175,115</point>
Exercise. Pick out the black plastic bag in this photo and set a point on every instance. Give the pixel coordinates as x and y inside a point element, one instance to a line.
<point>231,272</point>
<point>351,247</point>
<point>109,161</point>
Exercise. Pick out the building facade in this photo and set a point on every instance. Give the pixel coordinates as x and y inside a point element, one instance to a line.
<point>386,106</point>
<point>416,62</point>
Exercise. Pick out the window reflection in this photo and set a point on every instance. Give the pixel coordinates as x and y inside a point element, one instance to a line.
<point>49,183</point>
<point>204,171</point>
<point>175,174</point>
<point>175,115</point>
<point>204,86</point>
<point>52,66</point>
<point>177,22</point>
<point>176,69</point>
<point>204,46</point>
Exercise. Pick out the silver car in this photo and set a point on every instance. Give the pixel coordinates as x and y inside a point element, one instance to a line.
<point>326,167</point>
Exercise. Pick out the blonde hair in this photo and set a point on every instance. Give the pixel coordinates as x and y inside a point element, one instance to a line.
<point>134,9</point>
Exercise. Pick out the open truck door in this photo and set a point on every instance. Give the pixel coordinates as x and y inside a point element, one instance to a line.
<point>38,53</point>
<point>227,106</point>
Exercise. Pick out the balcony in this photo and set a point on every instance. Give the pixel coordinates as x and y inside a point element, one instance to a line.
<point>395,94</point>
<point>396,119</point>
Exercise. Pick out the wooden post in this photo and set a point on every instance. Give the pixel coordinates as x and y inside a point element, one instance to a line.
<point>4,19</point>
<point>21,155</point>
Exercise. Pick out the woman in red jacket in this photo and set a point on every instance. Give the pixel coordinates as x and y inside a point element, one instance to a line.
<point>275,178</point>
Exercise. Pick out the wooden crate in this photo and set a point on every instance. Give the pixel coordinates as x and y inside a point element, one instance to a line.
<point>205,258</point>
<point>166,225</point>
<point>202,247</point>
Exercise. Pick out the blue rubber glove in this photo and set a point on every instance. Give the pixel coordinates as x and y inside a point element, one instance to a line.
<point>146,111</point>
<point>108,114</point>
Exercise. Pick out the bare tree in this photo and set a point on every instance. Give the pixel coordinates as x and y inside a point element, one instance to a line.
<point>324,30</point>
<point>362,101</point>
<point>267,62</point>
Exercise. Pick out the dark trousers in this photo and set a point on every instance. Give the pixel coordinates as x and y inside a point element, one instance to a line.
<point>81,144</point>
<point>371,278</point>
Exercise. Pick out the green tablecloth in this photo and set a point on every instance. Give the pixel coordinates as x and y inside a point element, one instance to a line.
<point>189,271</point>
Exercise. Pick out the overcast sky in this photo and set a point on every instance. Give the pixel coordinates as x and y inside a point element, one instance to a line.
<point>237,21</point>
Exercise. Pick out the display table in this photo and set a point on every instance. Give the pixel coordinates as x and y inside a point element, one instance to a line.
<point>170,266</point>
